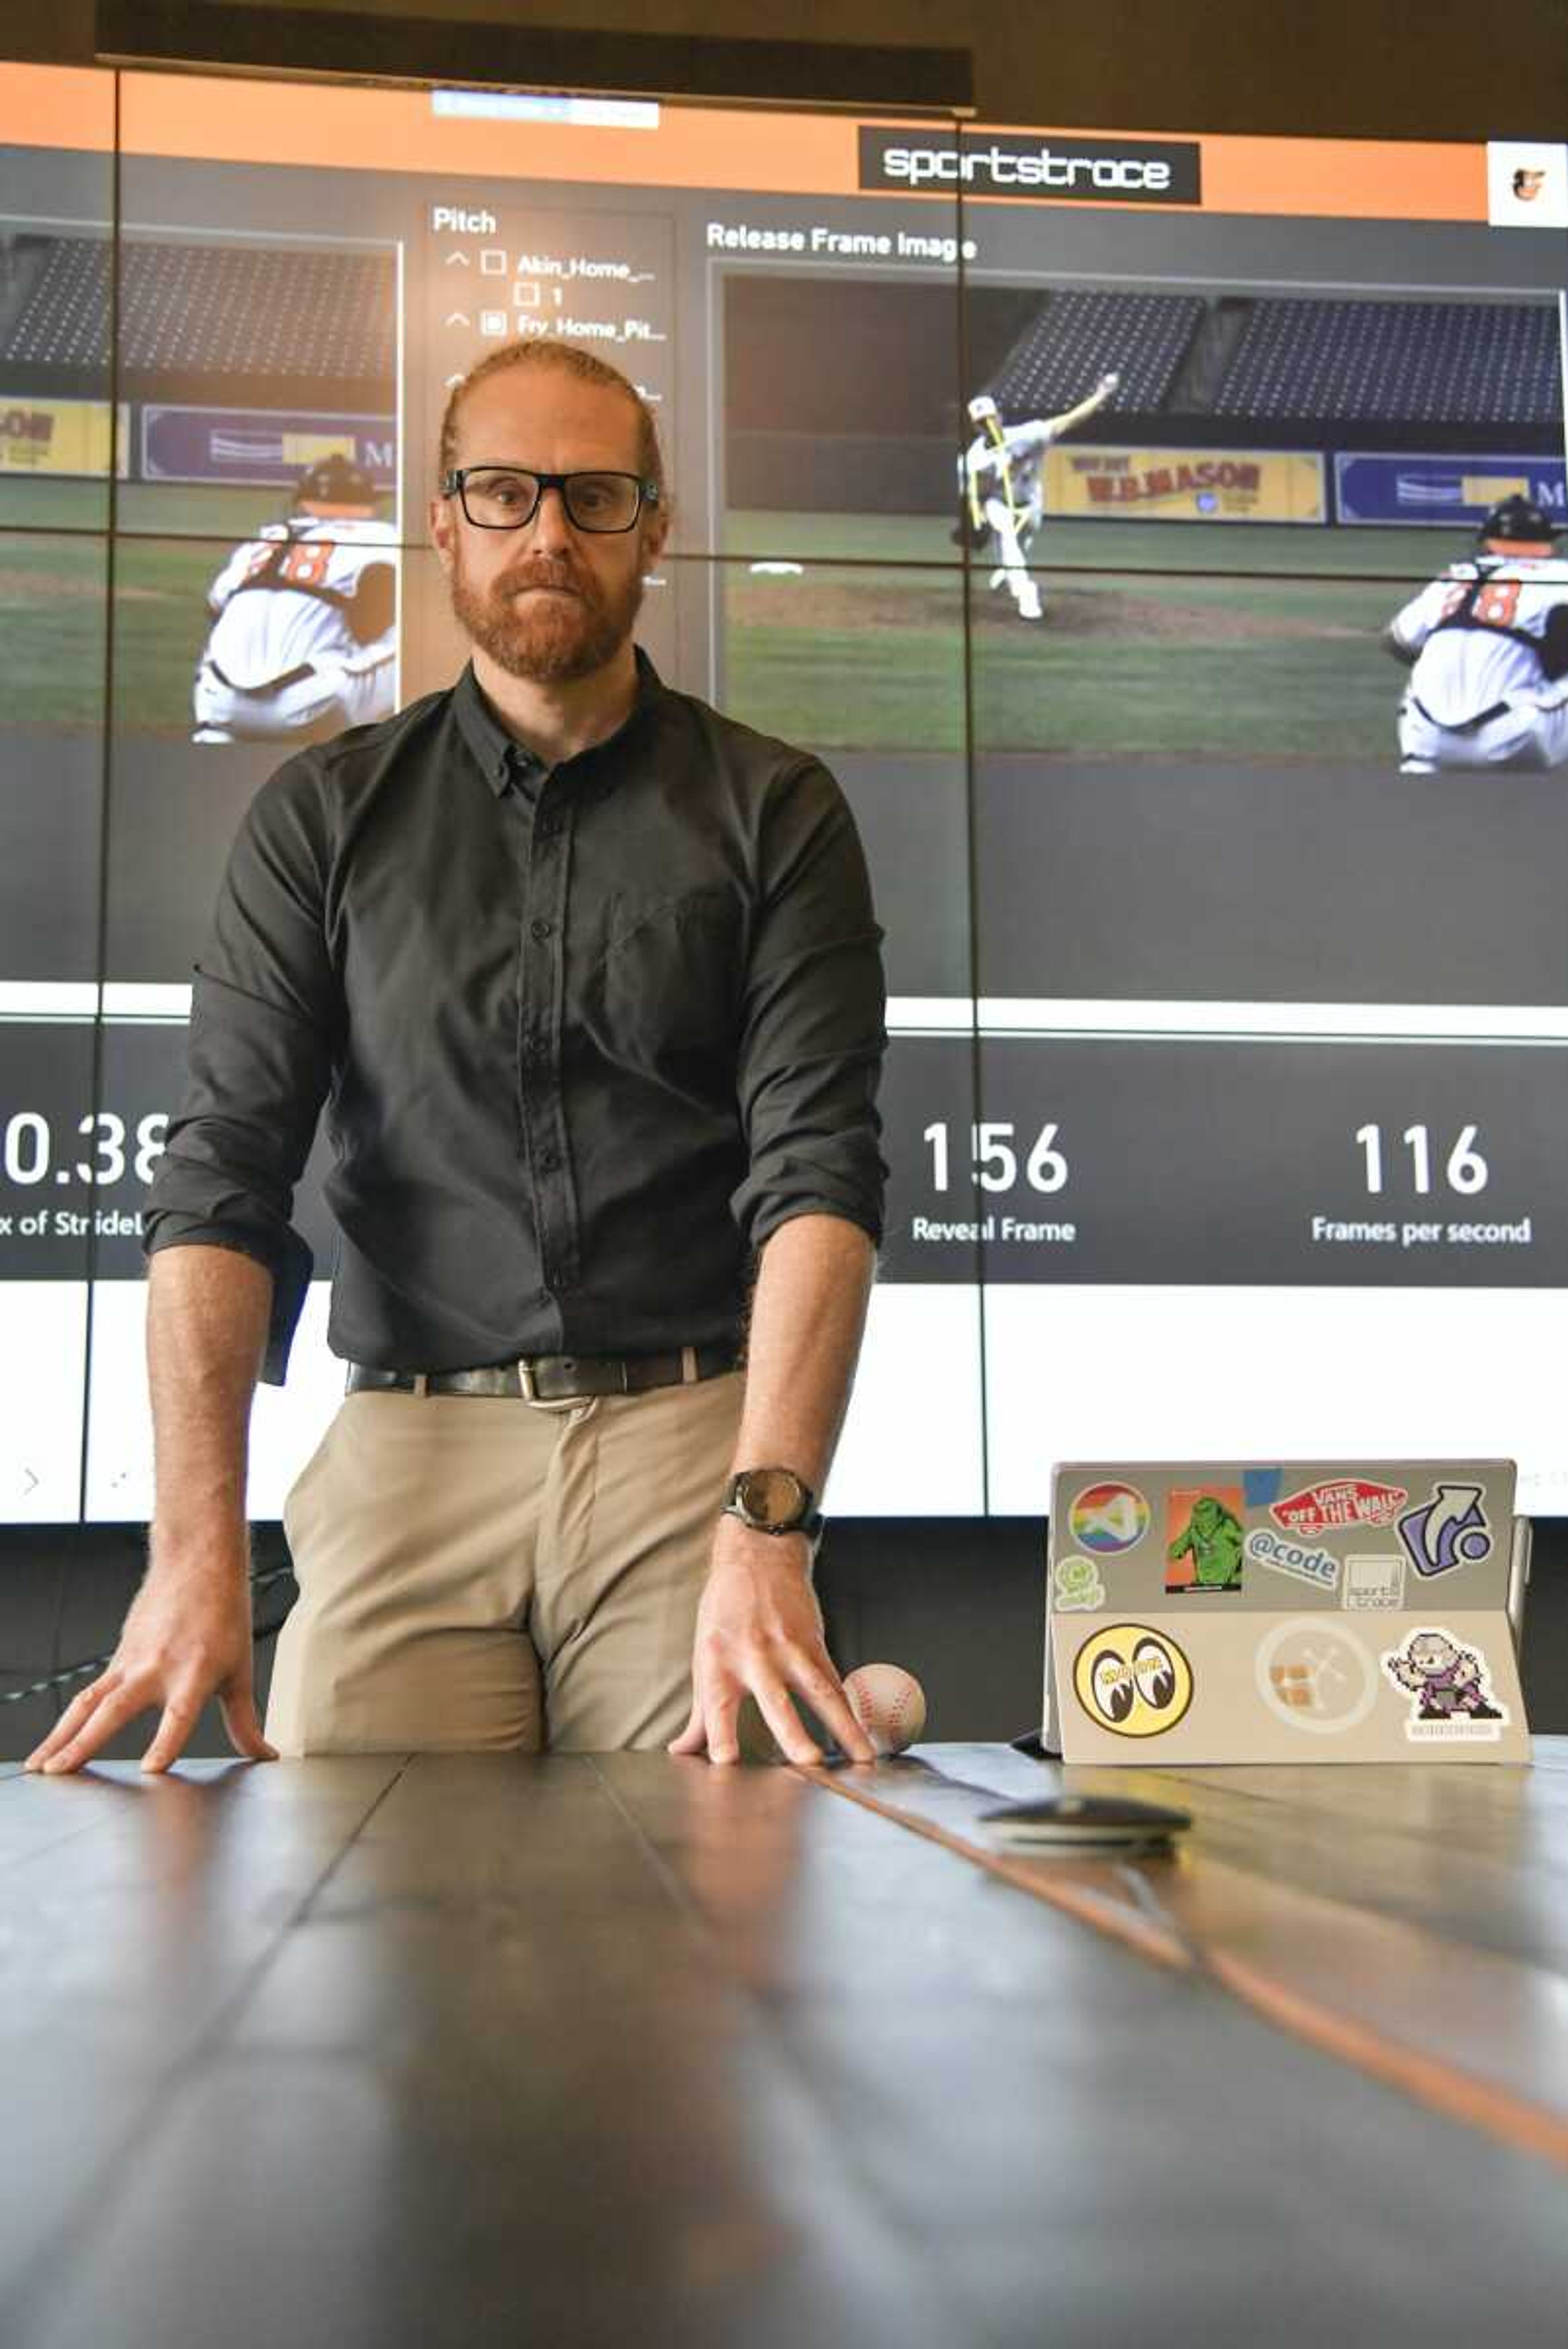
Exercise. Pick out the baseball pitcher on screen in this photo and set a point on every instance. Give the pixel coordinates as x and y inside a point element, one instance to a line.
<point>1001,483</point>
<point>303,641</point>
<point>1486,645</point>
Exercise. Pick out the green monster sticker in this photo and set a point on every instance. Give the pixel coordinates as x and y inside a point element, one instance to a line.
<point>1206,1552</point>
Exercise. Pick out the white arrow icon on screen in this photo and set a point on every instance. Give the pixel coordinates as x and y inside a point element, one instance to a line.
<point>457,318</point>
<point>458,260</point>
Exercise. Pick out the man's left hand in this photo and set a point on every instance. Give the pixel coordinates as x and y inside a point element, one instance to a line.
<point>759,1633</point>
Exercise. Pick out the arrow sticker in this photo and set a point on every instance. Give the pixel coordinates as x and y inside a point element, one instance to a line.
<point>1451,1530</point>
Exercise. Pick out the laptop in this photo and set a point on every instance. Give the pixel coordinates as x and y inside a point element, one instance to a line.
<point>1241,1611</point>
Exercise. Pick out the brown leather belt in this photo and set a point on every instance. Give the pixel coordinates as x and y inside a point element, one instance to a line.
<point>553,1378</point>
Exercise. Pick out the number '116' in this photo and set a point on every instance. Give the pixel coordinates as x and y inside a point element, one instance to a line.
<point>1466,1172</point>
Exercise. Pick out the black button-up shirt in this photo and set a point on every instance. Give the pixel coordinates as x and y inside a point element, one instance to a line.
<point>586,1035</point>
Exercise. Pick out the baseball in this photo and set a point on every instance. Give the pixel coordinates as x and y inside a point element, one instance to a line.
<point>889,1704</point>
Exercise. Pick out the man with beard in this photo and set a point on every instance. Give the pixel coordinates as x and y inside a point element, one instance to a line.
<point>589,981</point>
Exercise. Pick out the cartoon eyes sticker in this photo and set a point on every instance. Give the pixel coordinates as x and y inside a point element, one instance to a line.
<point>1133,1680</point>
<point>1111,1684</point>
<point>1155,1674</point>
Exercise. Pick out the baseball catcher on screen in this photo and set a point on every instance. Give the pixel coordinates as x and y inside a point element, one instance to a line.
<point>1002,481</point>
<point>1487,644</point>
<point>303,640</point>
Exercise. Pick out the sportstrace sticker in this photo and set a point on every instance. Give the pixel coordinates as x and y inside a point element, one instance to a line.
<point>1448,1531</point>
<point>1302,1560</point>
<point>1316,1676</point>
<point>1078,1586</point>
<point>1337,1502</point>
<point>1449,1686</point>
<point>1204,1539</point>
<point>1132,1680</point>
<point>1108,1518</point>
<point>1373,1583</point>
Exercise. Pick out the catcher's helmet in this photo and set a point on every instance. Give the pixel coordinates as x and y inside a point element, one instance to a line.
<point>335,486</point>
<point>1517,522</point>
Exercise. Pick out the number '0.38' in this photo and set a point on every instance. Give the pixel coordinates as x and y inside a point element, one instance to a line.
<point>27,1147</point>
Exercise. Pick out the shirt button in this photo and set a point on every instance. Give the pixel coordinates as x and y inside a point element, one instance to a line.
<point>549,1160</point>
<point>541,929</point>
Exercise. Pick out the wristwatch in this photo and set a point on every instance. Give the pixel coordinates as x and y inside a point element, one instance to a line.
<point>773,1501</point>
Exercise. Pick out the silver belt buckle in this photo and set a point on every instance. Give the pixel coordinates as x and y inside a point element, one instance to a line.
<point>536,1402</point>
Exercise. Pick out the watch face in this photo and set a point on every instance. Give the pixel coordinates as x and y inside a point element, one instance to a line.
<point>772,1496</point>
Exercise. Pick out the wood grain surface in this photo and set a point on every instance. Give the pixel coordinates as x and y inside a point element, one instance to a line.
<point>454,2049</point>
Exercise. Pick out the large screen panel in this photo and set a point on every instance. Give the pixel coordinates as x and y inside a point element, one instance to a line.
<point>57,364</point>
<point>52,593</point>
<point>864,664</point>
<point>1292,1008</point>
<point>1061,491</point>
<point>52,1156</point>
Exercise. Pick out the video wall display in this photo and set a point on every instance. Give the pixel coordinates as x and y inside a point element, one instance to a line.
<point>1158,536</point>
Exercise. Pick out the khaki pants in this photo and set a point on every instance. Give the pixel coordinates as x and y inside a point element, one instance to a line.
<point>478,1574</point>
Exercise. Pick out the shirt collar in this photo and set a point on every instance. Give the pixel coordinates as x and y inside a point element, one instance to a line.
<point>499,752</point>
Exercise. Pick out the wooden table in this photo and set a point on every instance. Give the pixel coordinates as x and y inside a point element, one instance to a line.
<point>458,2050</point>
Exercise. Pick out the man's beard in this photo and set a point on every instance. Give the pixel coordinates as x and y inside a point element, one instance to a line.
<point>548,639</point>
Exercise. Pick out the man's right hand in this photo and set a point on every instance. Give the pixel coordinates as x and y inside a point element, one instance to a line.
<point>186,1638</point>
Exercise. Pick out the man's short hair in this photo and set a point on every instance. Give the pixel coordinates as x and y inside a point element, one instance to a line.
<point>568,358</point>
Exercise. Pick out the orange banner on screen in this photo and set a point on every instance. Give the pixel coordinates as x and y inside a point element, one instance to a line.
<point>755,152</point>
<point>60,436</point>
<point>1185,484</point>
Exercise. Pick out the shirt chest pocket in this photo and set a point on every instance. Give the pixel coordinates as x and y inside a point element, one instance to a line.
<point>669,982</point>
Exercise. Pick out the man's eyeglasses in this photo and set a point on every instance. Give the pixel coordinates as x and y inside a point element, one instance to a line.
<point>505,497</point>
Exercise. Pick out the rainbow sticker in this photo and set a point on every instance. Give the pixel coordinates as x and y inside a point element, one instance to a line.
<point>1108,1518</point>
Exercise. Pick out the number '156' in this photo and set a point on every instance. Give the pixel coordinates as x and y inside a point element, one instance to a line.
<point>994,1157</point>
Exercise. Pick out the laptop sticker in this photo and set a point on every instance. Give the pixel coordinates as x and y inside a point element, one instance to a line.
<point>1337,1502</point>
<point>1132,1680</point>
<point>1203,1538</point>
<point>1449,1531</point>
<point>1078,1586</point>
<point>1302,1560</point>
<point>1374,1582</point>
<point>1448,1687</point>
<point>1108,1518</point>
<point>1315,1675</point>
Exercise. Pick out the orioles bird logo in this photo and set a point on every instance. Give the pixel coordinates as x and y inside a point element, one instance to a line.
<point>1527,185</point>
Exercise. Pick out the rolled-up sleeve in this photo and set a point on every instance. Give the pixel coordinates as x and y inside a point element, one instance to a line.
<point>813,1032</point>
<point>267,1025</point>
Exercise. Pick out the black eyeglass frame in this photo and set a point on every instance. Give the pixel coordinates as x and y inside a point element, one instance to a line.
<point>454,485</point>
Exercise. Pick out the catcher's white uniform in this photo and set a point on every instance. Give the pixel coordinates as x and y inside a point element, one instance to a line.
<point>1484,644</point>
<point>303,638</point>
